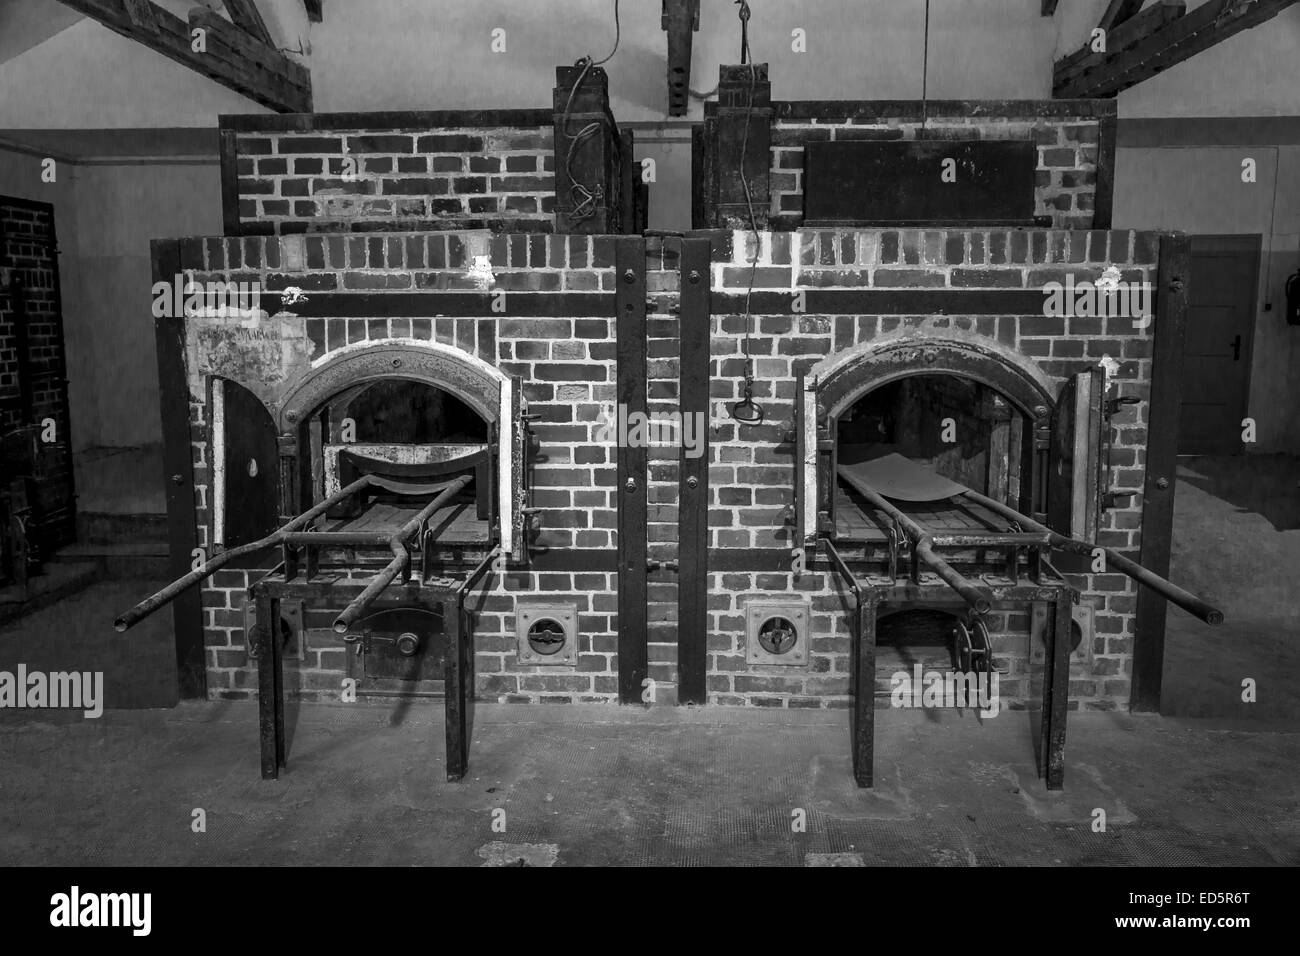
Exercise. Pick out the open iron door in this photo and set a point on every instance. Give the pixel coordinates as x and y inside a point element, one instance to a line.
<point>512,481</point>
<point>246,476</point>
<point>1074,458</point>
<point>806,495</point>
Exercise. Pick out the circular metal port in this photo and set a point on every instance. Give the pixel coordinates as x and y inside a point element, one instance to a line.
<point>408,644</point>
<point>546,636</point>
<point>777,635</point>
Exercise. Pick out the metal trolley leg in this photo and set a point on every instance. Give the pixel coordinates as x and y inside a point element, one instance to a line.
<point>864,691</point>
<point>270,687</point>
<point>1056,691</point>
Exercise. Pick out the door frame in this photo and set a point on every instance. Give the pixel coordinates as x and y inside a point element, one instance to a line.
<point>1159,481</point>
<point>1249,242</point>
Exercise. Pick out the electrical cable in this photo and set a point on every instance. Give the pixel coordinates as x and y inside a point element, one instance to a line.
<point>756,414</point>
<point>925,72</point>
<point>585,198</point>
<point>617,32</point>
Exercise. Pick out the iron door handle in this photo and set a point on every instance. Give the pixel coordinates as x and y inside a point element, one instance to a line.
<point>1236,349</point>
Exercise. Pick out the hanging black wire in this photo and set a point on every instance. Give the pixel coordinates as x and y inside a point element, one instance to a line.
<point>925,72</point>
<point>585,199</point>
<point>747,411</point>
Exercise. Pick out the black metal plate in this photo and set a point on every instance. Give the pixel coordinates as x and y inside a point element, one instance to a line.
<point>901,182</point>
<point>382,661</point>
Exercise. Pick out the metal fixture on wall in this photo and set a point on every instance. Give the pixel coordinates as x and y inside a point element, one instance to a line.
<point>776,632</point>
<point>547,634</point>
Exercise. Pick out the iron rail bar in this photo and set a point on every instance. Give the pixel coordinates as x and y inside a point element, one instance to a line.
<point>376,538</point>
<point>401,561</point>
<point>168,594</point>
<point>483,567</point>
<point>1184,599</point>
<point>989,539</point>
<point>922,548</point>
<point>841,567</point>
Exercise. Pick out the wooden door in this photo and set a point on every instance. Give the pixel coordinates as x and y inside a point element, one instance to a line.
<point>1222,287</point>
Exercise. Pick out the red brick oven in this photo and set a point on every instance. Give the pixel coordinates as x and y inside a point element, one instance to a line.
<point>436,311</point>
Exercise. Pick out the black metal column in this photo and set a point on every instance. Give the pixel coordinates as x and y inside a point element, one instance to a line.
<point>1170,323</point>
<point>630,494</point>
<point>178,464</point>
<point>693,486</point>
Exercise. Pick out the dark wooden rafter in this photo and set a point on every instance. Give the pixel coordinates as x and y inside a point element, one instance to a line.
<point>1117,11</point>
<point>1117,40</point>
<point>315,13</point>
<point>232,57</point>
<point>680,19</point>
<point>245,15</point>
<point>1155,40</point>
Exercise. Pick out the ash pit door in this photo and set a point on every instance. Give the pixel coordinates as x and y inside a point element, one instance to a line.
<point>1074,458</point>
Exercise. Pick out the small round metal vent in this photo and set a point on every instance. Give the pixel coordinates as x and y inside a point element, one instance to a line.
<point>777,635</point>
<point>546,636</point>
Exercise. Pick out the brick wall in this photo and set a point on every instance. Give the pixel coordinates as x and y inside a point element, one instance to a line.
<point>29,258</point>
<point>663,370</point>
<point>1065,180</point>
<point>566,364</point>
<point>752,469</point>
<point>383,173</point>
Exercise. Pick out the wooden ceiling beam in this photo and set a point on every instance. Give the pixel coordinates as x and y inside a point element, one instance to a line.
<point>231,57</point>
<point>1140,27</point>
<point>1164,46</point>
<point>245,15</point>
<point>680,19</point>
<point>1117,11</point>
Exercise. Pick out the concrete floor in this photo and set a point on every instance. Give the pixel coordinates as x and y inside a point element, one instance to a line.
<point>1236,542</point>
<point>583,785</point>
<point>592,785</point>
<point>77,634</point>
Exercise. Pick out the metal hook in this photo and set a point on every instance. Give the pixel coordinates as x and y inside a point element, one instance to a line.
<point>744,31</point>
<point>755,413</point>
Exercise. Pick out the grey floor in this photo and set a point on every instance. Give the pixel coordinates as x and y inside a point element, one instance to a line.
<point>1236,542</point>
<point>592,785</point>
<point>582,785</point>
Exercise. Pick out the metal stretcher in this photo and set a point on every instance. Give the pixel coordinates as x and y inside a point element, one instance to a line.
<point>927,546</point>
<point>416,614</point>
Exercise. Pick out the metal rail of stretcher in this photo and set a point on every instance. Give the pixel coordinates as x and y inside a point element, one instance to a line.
<point>1045,585</point>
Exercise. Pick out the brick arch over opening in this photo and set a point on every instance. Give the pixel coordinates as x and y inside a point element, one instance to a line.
<point>470,379</point>
<point>845,377</point>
